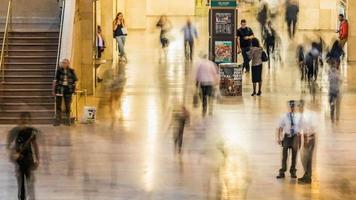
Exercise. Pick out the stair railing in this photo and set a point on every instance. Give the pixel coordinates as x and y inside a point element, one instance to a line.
<point>59,51</point>
<point>5,42</point>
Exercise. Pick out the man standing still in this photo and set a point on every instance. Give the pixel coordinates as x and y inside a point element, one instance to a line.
<point>343,30</point>
<point>308,127</point>
<point>24,153</point>
<point>288,133</point>
<point>292,11</point>
<point>63,88</point>
<point>245,35</point>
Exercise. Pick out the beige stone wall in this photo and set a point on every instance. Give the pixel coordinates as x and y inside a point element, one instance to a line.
<point>31,11</point>
<point>351,45</point>
<point>318,14</point>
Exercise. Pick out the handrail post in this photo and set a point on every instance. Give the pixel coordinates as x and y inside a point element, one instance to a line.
<point>4,41</point>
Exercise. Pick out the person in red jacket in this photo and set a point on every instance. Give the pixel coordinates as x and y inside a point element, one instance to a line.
<point>343,30</point>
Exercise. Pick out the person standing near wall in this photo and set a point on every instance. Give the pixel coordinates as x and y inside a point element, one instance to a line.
<point>63,88</point>
<point>255,54</point>
<point>120,33</point>
<point>343,30</point>
<point>24,153</point>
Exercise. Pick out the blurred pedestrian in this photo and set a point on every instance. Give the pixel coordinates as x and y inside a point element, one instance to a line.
<point>165,25</point>
<point>100,42</point>
<point>300,60</point>
<point>245,35</point>
<point>255,54</point>
<point>262,17</point>
<point>292,10</point>
<point>24,153</point>
<point>207,77</point>
<point>64,86</point>
<point>269,38</point>
<point>333,57</point>
<point>312,63</point>
<point>190,34</point>
<point>308,128</point>
<point>181,118</point>
<point>343,30</point>
<point>288,137</point>
<point>120,34</point>
<point>335,81</point>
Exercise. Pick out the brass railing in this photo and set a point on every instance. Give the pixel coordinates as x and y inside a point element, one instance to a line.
<point>5,42</point>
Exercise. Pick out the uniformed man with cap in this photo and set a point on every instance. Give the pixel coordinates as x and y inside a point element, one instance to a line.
<point>288,137</point>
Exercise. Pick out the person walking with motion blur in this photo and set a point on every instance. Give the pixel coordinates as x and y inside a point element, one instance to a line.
<point>63,88</point>
<point>245,35</point>
<point>165,25</point>
<point>288,137</point>
<point>181,118</point>
<point>300,60</point>
<point>255,54</point>
<point>334,93</point>
<point>308,128</point>
<point>24,153</point>
<point>269,38</point>
<point>100,43</point>
<point>333,57</point>
<point>120,33</point>
<point>207,77</point>
<point>190,34</point>
<point>262,17</point>
<point>292,10</point>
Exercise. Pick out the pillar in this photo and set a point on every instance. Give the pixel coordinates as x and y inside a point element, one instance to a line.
<point>351,45</point>
<point>85,13</point>
<point>107,17</point>
<point>68,30</point>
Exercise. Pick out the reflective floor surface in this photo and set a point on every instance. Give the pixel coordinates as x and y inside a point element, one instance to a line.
<point>230,155</point>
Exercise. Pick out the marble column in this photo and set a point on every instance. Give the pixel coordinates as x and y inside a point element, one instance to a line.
<point>68,30</point>
<point>107,16</point>
<point>351,45</point>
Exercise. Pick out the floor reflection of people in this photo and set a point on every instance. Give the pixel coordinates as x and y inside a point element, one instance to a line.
<point>116,88</point>
<point>181,117</point>
<point>24,153</point>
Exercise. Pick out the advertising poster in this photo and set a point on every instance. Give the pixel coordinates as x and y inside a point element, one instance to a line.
<point>223,51</point>
<point>223,23</point>
<point>230,79</point>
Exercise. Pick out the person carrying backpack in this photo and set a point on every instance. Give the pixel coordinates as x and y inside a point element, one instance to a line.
<point>24,153</point>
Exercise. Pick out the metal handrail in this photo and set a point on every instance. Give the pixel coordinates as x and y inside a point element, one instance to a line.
<point>5,41</point>
<point>60,36</point>
<point>58,52</point>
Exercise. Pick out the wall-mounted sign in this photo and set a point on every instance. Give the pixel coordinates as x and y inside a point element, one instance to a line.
<point>223,3</point>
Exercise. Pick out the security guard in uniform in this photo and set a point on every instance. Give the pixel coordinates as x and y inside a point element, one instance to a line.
<point>288,137</point>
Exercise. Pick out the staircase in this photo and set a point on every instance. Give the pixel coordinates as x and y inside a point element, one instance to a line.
<point>29,72</point>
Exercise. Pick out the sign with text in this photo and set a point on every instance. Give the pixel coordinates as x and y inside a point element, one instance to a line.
<point>230,79</point>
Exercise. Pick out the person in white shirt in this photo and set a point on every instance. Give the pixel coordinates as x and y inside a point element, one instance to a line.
<point>207,77</point>
<point>288,137</point>
<point>308,128</point>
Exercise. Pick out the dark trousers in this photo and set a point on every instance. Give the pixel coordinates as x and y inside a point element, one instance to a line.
<point>67,96</point>
<point>307,158</point>
<point>190,44</point>
<point>25,183</point>
<point>289,143</point>
<point>207,93</point>
<point>178,140</point>
<point>246,64</point>
<point>291,27</point>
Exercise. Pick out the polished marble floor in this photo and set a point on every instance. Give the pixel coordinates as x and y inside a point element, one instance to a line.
<point>230,155</point>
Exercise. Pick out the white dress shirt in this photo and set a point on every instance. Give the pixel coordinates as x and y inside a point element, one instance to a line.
<point>286,125</point>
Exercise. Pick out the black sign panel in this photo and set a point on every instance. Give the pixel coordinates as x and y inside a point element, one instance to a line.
<point>230,80</point>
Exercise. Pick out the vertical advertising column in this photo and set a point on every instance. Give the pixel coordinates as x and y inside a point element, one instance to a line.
<point>222,31</point>
<point>222,45</point>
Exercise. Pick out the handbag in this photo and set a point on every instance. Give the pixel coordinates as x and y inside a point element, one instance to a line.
<point>124,30</point>
<point>264,56</point>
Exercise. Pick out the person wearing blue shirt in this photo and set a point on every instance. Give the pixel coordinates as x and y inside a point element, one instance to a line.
<point>190,34</point>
